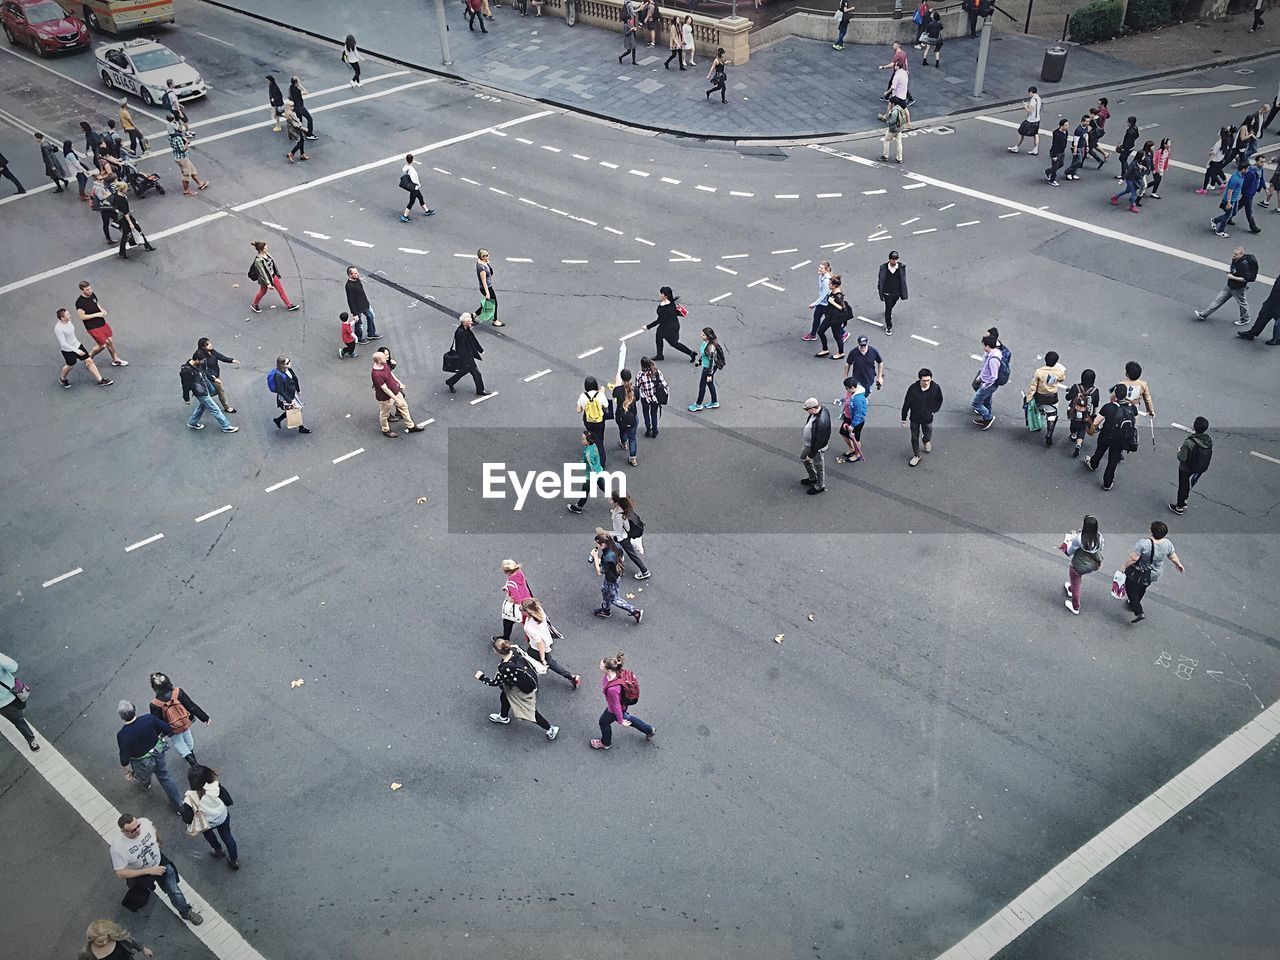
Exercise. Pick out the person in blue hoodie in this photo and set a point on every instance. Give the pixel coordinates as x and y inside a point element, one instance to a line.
<point>1230,200</point>
<point>1251,183</point>
<point>853,415</point>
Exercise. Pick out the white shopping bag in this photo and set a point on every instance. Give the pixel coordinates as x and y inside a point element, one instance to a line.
<point>1117,585</point>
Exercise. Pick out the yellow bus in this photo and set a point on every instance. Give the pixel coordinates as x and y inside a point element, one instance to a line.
<point>115,16</point>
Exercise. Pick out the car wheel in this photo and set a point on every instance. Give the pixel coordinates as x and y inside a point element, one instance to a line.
<point>13,41</point>
<point>91,19</point>
<point>37,49</point>
<point>147,98</point>
<point>106,78</point>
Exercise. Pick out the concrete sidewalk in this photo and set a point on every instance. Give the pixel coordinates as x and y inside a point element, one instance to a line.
<point>794,88</point>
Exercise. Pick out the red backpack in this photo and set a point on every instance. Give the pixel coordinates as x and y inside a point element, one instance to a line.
<point>630,688</point>
<point>173,712</point>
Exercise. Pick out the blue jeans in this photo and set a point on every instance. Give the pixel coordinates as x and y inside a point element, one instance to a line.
<point>607,720</point>
<point>154,764</point>
<point>1220,222</point>
<point>609,596</point>
<point>1131,187</point>
<point>706,381</point>
<point>222,830</point>
<point>652,410</point>
<point>169,884</point>
<point>840,35</point>
<point>628,436</point>
<point>982,401</point>
<point>208,403</point>
<point>361,319</point>
<point>183,742</point>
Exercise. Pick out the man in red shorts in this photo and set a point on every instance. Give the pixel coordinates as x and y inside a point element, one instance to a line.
<point>95,323</point>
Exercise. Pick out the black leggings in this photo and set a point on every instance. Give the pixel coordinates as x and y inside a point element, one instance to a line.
<point>355,72</point>
<point>298,147</point>
<point>12,711</point>
<point>538,718</point>
<point>1155,182</point>
<point>415,196</point>
<point>717,83</point>
<point>675,54</point>
<point>833,321</point>
<point>552,664</point>
<point>1134,592</point>
<point>493,295</point>
<point>1213,174</point>
<point>659,338</point>
<point>108,218</point>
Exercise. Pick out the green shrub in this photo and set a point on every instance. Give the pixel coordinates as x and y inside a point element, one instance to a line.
<point>1100,20</point>
<point>1176,10</point>
<point>1148,14</point>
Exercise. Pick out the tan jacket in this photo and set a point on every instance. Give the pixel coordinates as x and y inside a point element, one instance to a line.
<point>1046,382</point>
<point>1138,390</point>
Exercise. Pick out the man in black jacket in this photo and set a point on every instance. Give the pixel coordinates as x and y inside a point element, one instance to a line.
<point>923,400</point>
<point>892,287</point>
<point>468,350</point>
<point>195,385</point>
<point>1110,420</point>
<point>8,174</point>
<point>1270,310</point>
<point>817,434</point>
<point>1127,146</point>
<point>1057,151</point>
<point>1242,272</point>
<point>212,371</point>
<point>358,304</point>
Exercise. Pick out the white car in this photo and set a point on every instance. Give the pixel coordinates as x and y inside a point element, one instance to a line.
<point>142,67</point>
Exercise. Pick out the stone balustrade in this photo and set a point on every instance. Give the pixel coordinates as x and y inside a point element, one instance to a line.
<point>709,33</point>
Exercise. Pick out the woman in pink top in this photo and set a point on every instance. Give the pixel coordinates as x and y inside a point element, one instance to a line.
<point>614,683</point>
<point>514,592</point>
<point>1161,157</point>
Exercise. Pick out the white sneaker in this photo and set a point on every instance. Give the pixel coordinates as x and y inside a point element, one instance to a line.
<point>1013,149</point>
<point>551,734</point>
<point>1067,586</point>
<point>499,718</point>
<point>1071,608</point>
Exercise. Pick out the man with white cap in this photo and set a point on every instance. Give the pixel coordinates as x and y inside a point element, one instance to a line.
<point>817,434</point>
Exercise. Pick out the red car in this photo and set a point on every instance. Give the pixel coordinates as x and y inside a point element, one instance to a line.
<point>43,26</point>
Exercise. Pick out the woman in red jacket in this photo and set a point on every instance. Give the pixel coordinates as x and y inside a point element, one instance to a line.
<point>621,690</point>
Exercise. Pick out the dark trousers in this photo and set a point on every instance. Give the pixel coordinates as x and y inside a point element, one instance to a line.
<point>1186,480</point>
<point>659,338</point>
<point>890,300</point>
<point>1213,174</point>
<point>1114,452</point>
<point>652,411</point>
<point>135,140</point>
<point>305,114</point>
<point>8,175</point>
<point>973,23</point>
<point>505,710</point>
<point>126,236</point>
<point>675,55</point>
<point>1155,183</point>
<point>1257,19</point>
<point>818,313</point>
<point>552,664</point>
<point>299,148</point>
<point>475,377</point>
<point>607,720</point>
<point>1055,164</point>
<point>920,431</point>
<point>12,711</point>
<point>1123,156</point>
<point>355,72</point>
<point>472,17</point>
<point>493,295</point>
<point>108,218</point>
<point>1246,204</point>
<point>222,830</point>
<point>599,486</point>
<point>833,321</point>
<point>1271,115</point>
<point>1077,161</point>
<point>415,196</point>
<point>717,83</point>
<point>633,554</point>
<point>1134,592</point>
<point>597,433</point>
<point>1268,313</point>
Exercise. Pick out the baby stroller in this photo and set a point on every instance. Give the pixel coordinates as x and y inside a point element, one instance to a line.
<point>138,181</point>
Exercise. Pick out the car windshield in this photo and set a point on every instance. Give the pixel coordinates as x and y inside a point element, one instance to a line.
<point>45,13</point>
<point>149,60</point>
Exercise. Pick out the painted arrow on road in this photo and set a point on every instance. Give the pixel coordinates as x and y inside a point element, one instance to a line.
<point>1189,91</point>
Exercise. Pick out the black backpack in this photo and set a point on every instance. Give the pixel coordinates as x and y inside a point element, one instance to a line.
<point>526,679</point>
<point>635,526</point>
<point>1127,427</point>
<point>1249,268</point>
<point>1198,458</point>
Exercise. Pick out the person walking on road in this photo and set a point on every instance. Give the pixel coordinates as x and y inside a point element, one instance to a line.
<point>670,310</point>
<point>539,637</point>
<point>138,860</point>
<point>137,142</point>
<point>180,144</point>
<point>1160,161</point>
<point>819,306</point>
<point>865,365</point>
<point>276,99</point>
<point>195,384</point>
<point>1270,310</point>
<point>1230,201</point>
<point>817,435</point>
<point>52,163</point>
<point>284,383</point>
<point>296,93</point>
<point>1084,553</point>
<point>469,354</point>
<point>1144,566</point>
<point>107,940</point>
<point>1079,147</point>
<point>621,691</point>
<point>1058,143</point>
<point>100,202</point>
<point>205,806</point>
<point>1128,144</point>
<point>171,103</point>
<point>835,318</point>
<point>654,393</point>
<point>518,688</point>
<point>358,304</point>
<point>489,296</point>
<point>1043,392</point>
<point>1136,389</point>
<point>1083,400</point>
<point>591,460</point>
<point>73,351</point>
<point>296,133</point>
<point>1116,424</point>
<point>175,707</point>
<point>1252,182</point>
<point>1213,178</point>
<point>351,57</point>
<point>628,531</point>
<point>1242,271</point>
<point>922,401</point>
<point>1030,127</point>
<point>514,592</point>
<point>891,285</point>
<point>986,383</point>
<point>389,393</point>
<point>610,565</point>
<point>211,359</point>
<point>13,702</point>
<point>142,745</point>
<point>1194,457</point>
<point>626,414</point>
<point>409,181</point>
<point>896,120</point>
<point>128,223</point>
<point>267,275</point>
<point>8,175</point>
<point>595,410</point>
<point>853,416</point>
<point>95,323</point>
<point>711,358</point>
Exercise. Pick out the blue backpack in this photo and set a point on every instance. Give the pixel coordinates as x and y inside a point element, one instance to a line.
<point>1005,357</point>
<point>271,380</point>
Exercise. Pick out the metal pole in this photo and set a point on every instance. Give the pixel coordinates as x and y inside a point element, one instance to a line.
<point>442,27</point>
<point>1030,4</point>
<point>984,42</point>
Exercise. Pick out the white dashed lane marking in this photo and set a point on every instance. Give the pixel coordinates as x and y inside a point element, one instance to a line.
<point>348,456</point>
<point>743,256</point>
<point>606,163</point>
<point>551,149</point>
<point>283,483</point>
<point>802,263</point>
<point>874,323</point>
<point>519,260</point>
<point>832,196</point>
<point>968,223</point>
<point>872,193</point>
<point>573,261</point>
<point>534,376</point>
<point>726,270</point>
<point>626,261</point>
<point>356,243</point>
<point>913,186</point>
<point>705,189</point>
<point>66,576</point>
<point>740,193</point>
<point>142,543</point>
<point>946,208</point>
<point>213,513</point>
<point>788,250</point>
<point>1006,216</point>
<point>578,156</point>
<point>907,223</point>
<point>915,233</point>
<point>589,353</point>
<point>318,236</point>
<point>273,226</point>
<point>445,172</point>
<point>932,343</point>
<point>638,173</point>
<point>615,230</point>
<point>484,398</point>
<point>786,196</point>
<point>1260,456</point>
<point>413,250</point>
<point>634,333</point>
<point>647,243</point>
<point>499,192</point>
<point>719,298</point>
<point>670,180</point>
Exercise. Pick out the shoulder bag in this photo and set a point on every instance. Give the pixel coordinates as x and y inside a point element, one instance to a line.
<point>1140,570</point>
<point>19,690</point>
<point>199,824</point>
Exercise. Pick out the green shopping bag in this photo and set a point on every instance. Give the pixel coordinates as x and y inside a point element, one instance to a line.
<point>1035,419</point>
<point>486,312</point>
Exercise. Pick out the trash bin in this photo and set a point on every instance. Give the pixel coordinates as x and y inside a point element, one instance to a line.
<point>1055,60</point>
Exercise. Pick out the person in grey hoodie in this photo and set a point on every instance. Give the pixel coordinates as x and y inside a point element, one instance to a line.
<point>1193,460</point>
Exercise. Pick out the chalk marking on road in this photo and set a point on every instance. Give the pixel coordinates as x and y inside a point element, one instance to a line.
<point>916,233</point>
<point>318,236</point>
<point>142,543</point>
<point>1244,103</point>
<point>932,343</point>
<point>1173,163</point>
<point>968,223</point>
<point>273,226</point>
<point>532,203</point>
<point>946,208</point>
<point>552,149</point>
<point>222,939</point>
<point>348,456</point>
<point>802,263</point>
<point>907,223</point>
<point>589,353</point>
<point>1180,426</point>
<point>614,230</point>
<point>213,513</point>
<point>638,173</point>
<point>526,142</point>
<point>216,39</point>
<point>871,193</point>
<point>1006,216</point>
<point>647,243</point>
<point>445,172</point>
<point>1262,456</point>
<point>283,483</point>
<point>913,186</point>
<point>726,270</point>
<point>786,196</point>
<point>420,253</point>
<point>499,191</point>
<point>534,376</point>
<point>830,196</point>
<point>788,250</point>
<point>94,90</point>
<point>519,259</point>
<point>208,121</point>
<point>474,183</point>
<point>719,298</point>
<point>606,163</point>
<point>874,323</point>
<point>626,261</point>
<point>633,333</point>
<point>578,156</point>
<point>740,193</point>
<point>705,189</point>
<point>66,576</point>
<point>356,243</point>
<point>1122,835</point>
<point>573,261</point>
<point>670,180</point>
<point>484,398</point>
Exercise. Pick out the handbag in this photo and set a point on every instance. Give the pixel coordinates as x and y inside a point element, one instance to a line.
<point>1082,561</point>
<point>406,182</point>
<point>538,666</point>
<point>486,312</point>
<point>510,611</point>
<point>1035,419</point>
<point>1140,570</point>
<point>19,690</point>
<point>199,823</point>
<point>452,361</point>
<point>1117,585</point>
<point>292,417</point>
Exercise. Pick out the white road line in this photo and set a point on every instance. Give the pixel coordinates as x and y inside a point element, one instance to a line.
<point>484,398</point>
<point>788,250</point>
<point>1173,163</point>
<point>614,230</point>
<point>552,149</point>
<point>968,223</point>
<point>356,243</point>
<point>874,323</point>
<point>425,423</point>
<point>222,939</point>
<point>273,226</point>
<point>1244,103</point>
<point>1006,216</point>
<point>828,246</point>
<point>626,261</point>
<point>918,232</point>
<point>647,243</point>
<point>740,193</point>
<point>66,576</point>
<point>590,223</point>
<point>421,253</point>
<point>802,263</point>
<point>1261,456</point>
<point>464,256</point>
<point>445,172</point>
<point>843,247</point>
<point>533,203</point>
<point>705,189</point>
<point>216,39</point>
<point>142,543</point>
<point>499,191</point>
<point>318,236</point>
<point>97,91</point>
<point>932,343</point>
<point>946,208</point>
<point>213,513</point>
<point>611,166</point>
<point>743,256</point>
<point>670,180</point>
<point>583,356</point>
<point>774,286</point>
<point>348,456</point>
<point>786,196</point>
<point>283,483</point>
<point>684,260</point>
<point>974,356</point>
<point>474,183</point>
<point>534,376</point>
<point>519,260</point>
<point>207,121</point>
<point>573,261</point>
<point>726,270</point>
<point>526,142</point>
<point>1122,835</point>
<point>852,158</point>
<point>907,223</point>
<point>872,193</point>
<point>681,253</point>
<point>883,237</point>
<point>633,333</point>
<point>578,156</point>
<point>719,298</point>
<point>497,133</point>
<point>638,173</point>
<point>913,186</point>
<point>830,196</point>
